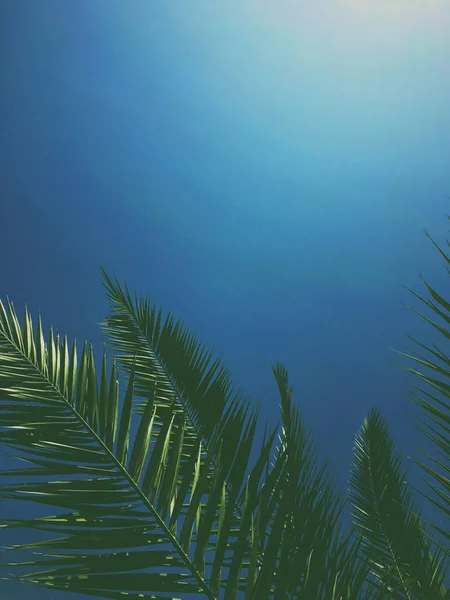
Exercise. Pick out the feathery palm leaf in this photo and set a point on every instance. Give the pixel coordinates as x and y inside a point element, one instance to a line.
<point>388,519</point>
<point>312,537</point>
<point>54,423</point>
<point>394,538</point>
<point>135,329</point>
<point>434,401</point>
<point>171,505</point>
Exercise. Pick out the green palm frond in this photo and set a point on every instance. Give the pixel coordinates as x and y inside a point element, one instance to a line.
<point>136,329</point>
<point>312,535</point>
<point>155,485</point>
<point>52,415</point>
<point>433,371</point>
<point>153,488</point>
<point>177,371</point>
<point>387,518</point>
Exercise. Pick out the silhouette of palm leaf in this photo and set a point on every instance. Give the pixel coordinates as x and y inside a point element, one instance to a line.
<point>434,401</point>
<point>154,488</point>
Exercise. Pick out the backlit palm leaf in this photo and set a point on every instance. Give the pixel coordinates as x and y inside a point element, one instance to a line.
<point>434,400</point>
<point>398,544</point>
<point>136,332</point>
<point>311,537</point>
<point>158,489</point>
<point>388,519</point>
<point>49,413</point>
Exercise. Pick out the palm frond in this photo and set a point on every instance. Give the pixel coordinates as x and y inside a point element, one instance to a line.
<point>387,518</point>
<point>201,390</point>
<point>177,371</point>
<point>49,415</point>
<point>171,504</point>
<point>316,561</point>
<point>434,401</point>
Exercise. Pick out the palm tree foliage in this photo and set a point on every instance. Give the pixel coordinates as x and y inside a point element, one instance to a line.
<point>388,519</point>
<point>385,514</point>
<point>435,403</point>
<point>156,493</point>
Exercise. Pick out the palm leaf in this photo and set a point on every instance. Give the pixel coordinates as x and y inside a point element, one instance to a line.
<point>173,504</point>
<point>387,518</point>
<point>433,371</point>
<point>185,379</point>
<point>57,429</point>
<point>311,538</point>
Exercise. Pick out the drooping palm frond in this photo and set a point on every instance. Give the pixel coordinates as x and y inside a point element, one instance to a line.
<point>178,372</point>
<point>387,518</point>
<point>312,537</point>
<point>434,401</point>
<point>169,512</point>
<point>299,511</point>
<point>52,415</point>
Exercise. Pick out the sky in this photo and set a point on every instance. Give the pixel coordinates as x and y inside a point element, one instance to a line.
<point>264,170</point>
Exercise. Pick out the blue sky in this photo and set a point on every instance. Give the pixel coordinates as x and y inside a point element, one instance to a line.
<point>264,170</point>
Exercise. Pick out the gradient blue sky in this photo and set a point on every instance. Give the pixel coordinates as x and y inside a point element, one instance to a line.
<point>263,169</point>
